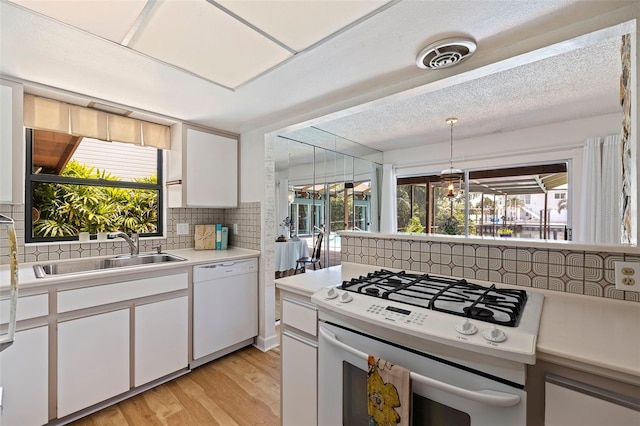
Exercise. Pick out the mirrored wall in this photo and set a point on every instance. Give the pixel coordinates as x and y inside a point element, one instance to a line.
<point>325,184</point>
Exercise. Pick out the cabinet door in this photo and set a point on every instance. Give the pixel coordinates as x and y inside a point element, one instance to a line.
<point>161,339</point>
<point>11,143</point>
<point>299,380</point>
<point>211,170</point>
<point>93,360</point>
<point>24,378</point>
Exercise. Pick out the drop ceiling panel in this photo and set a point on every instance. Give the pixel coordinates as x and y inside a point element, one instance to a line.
<point>299,24</point>
<point>105,18</point>
<point>199,37</point>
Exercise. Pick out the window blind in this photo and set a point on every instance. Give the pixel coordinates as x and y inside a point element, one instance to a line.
<point>48,114</point>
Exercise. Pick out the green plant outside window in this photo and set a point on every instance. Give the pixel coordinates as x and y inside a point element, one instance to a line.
<point>84,198</point>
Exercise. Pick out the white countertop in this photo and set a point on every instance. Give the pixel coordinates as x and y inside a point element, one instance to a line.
<point>27,278</point>
<point>595,334</point>
<point>311,281</point>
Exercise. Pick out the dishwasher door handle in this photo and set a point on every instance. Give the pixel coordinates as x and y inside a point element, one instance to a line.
<point>217,265</point>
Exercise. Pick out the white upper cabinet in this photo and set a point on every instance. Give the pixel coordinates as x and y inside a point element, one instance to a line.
<point>202,168</point>
<point>11,143</point>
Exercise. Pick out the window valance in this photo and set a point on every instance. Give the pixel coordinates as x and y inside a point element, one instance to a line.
<point>48,114</point>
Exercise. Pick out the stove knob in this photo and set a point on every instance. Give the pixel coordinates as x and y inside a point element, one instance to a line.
<point>346,297</point>
<point>466,327</point>
<point>332,293</point>
<point>494,334</point>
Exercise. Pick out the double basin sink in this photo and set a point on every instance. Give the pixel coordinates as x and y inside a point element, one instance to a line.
<point>91,265</point>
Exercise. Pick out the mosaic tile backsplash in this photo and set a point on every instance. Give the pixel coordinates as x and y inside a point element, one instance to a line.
<point>580,272</point>
<point>247,216</point>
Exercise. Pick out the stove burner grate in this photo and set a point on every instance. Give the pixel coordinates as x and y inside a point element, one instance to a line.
<point>450,295</point>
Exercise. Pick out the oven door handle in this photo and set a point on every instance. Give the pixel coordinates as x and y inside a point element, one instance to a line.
<point>487,397</point>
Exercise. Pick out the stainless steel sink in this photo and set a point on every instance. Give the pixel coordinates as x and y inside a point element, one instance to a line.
<point>88,265</point>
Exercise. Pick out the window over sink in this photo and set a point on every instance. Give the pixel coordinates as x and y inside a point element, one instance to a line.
<point>79,184</point>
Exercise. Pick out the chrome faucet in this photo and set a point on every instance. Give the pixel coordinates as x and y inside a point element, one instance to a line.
<point>133,241</point>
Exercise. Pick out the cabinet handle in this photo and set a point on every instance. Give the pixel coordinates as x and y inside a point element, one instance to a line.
<point>300,339</point>
<point>594,391</point>
<point>173,182</point>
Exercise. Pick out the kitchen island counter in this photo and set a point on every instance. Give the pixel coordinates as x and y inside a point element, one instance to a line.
<point>594,334</point>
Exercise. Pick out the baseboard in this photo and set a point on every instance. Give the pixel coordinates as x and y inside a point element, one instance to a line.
<point>266,345</point>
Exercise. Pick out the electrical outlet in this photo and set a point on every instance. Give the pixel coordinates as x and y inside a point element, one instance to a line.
<point>628,276</point>
<point>182,229</point>
<point>235,229</point>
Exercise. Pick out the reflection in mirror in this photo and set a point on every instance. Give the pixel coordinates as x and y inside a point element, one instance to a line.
<point>322,190</point>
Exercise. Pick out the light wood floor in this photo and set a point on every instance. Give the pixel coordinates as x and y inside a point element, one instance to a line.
<point>242,388</point>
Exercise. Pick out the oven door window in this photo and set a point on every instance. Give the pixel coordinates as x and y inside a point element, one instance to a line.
<point>423,410</point>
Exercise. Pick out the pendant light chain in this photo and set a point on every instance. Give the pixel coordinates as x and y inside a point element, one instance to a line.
<point>451,145</point>
<point>451,121</point>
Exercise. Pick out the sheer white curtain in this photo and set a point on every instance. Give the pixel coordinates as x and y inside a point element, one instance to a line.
<point>610,230</point>
<point>375,198</point>
<point>388,204</point>
<point>599,219</point>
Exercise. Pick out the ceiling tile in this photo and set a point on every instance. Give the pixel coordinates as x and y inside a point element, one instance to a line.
<point>299,24</point>
<point>199,37</point>
<point>105,18</point>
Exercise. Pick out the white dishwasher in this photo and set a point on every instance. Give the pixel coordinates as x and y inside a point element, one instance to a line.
<point>225,308</point>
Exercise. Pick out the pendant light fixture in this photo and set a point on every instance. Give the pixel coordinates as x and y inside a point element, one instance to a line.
<point>452,177</point>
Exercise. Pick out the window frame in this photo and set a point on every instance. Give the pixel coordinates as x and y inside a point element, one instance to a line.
<point>432,180</point>
<point>31,178</point>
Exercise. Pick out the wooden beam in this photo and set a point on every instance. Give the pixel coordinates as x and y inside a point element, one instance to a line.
<point>66,155</point>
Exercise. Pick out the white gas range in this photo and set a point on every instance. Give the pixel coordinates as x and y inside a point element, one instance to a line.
<point>466,345</point>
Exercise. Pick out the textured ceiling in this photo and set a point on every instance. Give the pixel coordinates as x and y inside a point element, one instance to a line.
<point>366,62</point>
<point>580,83</point>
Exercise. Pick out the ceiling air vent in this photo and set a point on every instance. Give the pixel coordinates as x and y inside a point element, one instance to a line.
<point>445,53</point>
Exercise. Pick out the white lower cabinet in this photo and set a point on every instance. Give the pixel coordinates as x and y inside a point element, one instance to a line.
<point>299,360</point>
<point>299,380</point>
<point>572,403</point>
<point>161,339</point>
<point>93,360</point>
<point>24,378</point>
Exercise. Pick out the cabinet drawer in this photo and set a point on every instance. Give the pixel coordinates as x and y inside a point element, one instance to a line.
<point>28,307</point>
<point>70,300</point>
<point>301,315</point>
<point>572,403</point>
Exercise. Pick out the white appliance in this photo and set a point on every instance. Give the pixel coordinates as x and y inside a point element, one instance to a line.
<point>225,308</point>
<point>466,346</point>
